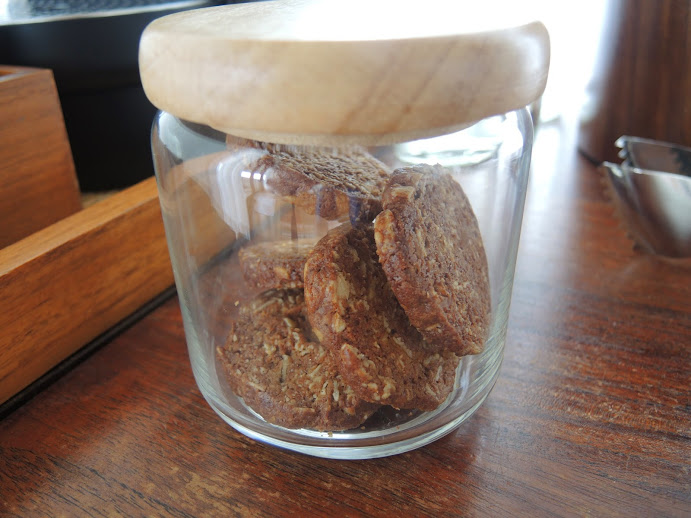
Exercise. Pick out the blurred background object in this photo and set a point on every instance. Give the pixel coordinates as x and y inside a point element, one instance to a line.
<point>91,46</point>
<point>641,83</point>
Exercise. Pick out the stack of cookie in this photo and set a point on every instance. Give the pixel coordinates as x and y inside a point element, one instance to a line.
<point>376,312</point>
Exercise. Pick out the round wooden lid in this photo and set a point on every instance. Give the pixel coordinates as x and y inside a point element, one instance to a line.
<point>319,71</point>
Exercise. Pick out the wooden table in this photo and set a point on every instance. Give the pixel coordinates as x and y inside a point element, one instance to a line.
<point>590,416</point>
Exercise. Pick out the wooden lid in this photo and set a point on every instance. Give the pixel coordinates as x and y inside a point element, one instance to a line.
<point>300,71</point>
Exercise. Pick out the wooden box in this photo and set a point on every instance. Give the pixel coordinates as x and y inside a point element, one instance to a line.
<point>66,275</point>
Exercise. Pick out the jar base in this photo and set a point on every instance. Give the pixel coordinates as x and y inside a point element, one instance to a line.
<point>366,449</point>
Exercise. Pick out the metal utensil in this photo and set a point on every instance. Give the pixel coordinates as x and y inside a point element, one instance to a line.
<point>655,155</point>
<point>655,206</point>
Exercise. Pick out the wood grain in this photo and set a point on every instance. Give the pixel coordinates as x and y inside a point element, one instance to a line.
<point>296,72</point>
<point>590,416</point>
<point>64,285</point>
<point>641,84</point>
<point>38,184</point>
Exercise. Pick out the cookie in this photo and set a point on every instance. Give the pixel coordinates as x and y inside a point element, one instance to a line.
<point>430,247</point>
<point>275,264</point>
<point>356,315</point>
<point>274,363</point>
<point>329,182</point>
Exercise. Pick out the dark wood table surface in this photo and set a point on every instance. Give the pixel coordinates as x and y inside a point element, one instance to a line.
<point>590,416</point>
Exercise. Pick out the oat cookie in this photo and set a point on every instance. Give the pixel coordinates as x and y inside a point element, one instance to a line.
<point>275,365</point>
<point>356,315</point>
<point>430,247</point>
<point>329,182</point>
<point>275,264</point>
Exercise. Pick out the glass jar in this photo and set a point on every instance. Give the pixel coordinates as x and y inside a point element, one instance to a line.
<point>345,292</point>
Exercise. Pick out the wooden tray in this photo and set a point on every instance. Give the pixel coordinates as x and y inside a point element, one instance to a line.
<point>67,283</point>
